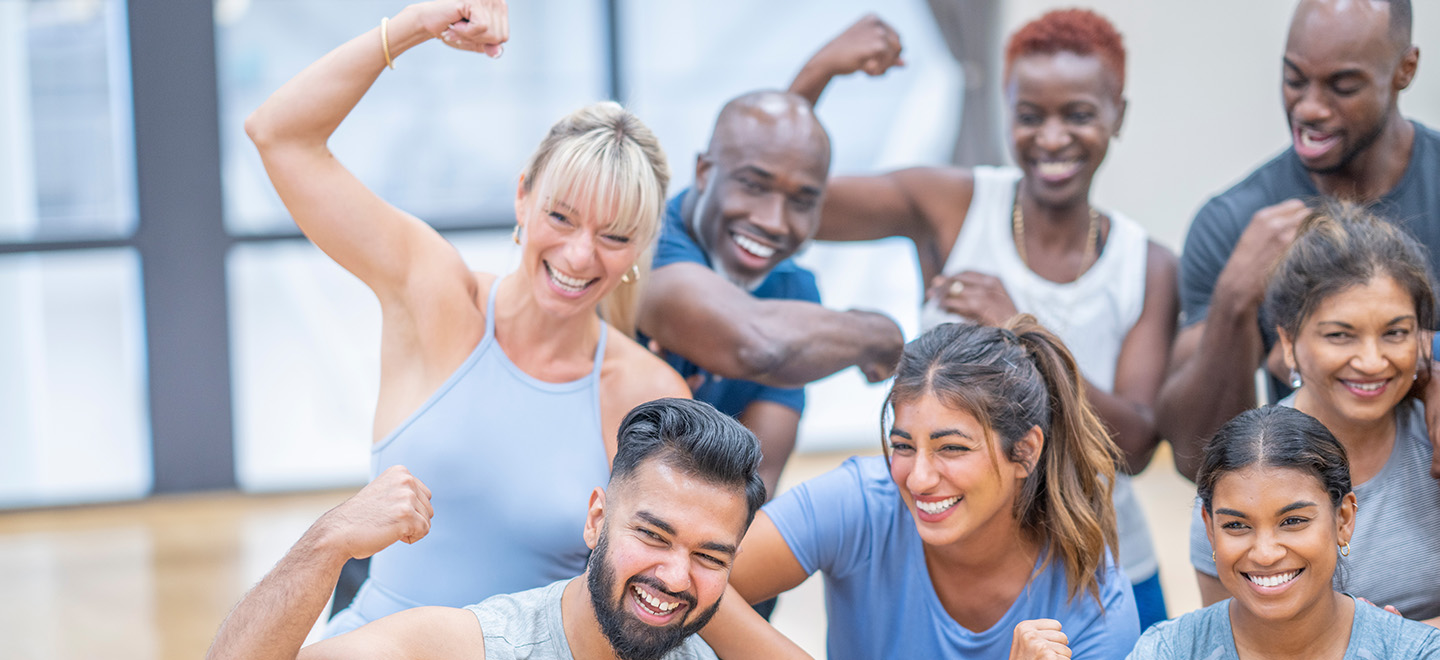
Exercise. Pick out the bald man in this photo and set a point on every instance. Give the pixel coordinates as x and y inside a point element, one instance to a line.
<point>730,309</point>
<point>1345,64</point>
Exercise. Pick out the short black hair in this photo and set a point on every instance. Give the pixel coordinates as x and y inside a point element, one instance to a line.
<point>696,439</point>
<point>1401,22</point>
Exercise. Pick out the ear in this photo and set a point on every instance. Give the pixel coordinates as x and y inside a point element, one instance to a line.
<point>1345,517</point>
<point>1120,117</point>
<point>520,201</point>
<point>1287,348</point>
<point>1209,527</point>
<point>703,168</point>
<point>1409,64</point>
<point>1027,452</point>
<point>595,518</point>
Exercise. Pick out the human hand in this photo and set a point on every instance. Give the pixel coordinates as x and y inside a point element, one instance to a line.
<point>1271,230</point>
<point>1430,396</point>
<point>482,26</point>
<point>976,296</point>
<point>1388,608</point>
<point>1039,639</point>
<point>393,507</point>
<point>869,45</point>
<point>887,343</point>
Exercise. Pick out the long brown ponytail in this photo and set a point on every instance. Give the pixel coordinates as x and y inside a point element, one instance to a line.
<point>1013,379</point>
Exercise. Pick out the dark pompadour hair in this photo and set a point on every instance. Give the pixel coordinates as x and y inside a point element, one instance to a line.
<point>696,439</point>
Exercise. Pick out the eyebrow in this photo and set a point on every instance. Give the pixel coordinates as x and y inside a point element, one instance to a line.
<point>942,433</point>
<point>1398,319</point>
<point>813,191</point>
<point>1283,510</point>
<point>655,521</point>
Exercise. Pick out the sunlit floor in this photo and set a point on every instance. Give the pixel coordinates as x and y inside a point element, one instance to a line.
<point>152,580</point>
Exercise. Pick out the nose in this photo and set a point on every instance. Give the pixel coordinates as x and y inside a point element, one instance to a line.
<point>1369,360</point>
<point>768,214</point>
<point>1267,550</point>
<point>674,571</point>
<point>923,476</point>
<point>1311,108</point>
<point>1053,135</point>
<point>579,252</point>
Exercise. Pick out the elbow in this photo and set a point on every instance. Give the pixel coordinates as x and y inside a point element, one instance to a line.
<point>757,358</point>
<point>257,130</point>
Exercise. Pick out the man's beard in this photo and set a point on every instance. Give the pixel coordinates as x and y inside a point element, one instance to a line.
<point>631,638</point>
<point>1366,140</point>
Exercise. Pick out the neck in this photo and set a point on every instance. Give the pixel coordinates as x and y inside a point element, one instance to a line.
<point>1065,224</point>
<point>1321,630</point>
<point>544,345</point>
<point>1377,170</point>
<point>582,629</point>
<point>1367,444</point>
<point>983,551</point>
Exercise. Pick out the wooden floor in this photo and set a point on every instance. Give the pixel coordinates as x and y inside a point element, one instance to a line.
<point>152,580</point>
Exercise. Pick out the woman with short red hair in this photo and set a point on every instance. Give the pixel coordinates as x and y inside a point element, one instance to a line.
<point>997,241</point>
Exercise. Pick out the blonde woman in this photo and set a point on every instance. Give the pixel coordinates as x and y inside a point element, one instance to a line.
<point>503,394</point>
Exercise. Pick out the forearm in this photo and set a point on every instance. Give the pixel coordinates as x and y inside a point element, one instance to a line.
<point>308,108</point>
<point>1131,426</point>
<point>793,343</point>
<point>1212,385</point>
<point>810,83</point>
<point>272,620</point>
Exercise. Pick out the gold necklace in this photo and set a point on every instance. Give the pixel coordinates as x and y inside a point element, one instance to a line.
<point>1092,239</point>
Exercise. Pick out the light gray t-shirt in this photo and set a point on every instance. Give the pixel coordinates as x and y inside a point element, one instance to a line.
<point>1205,634</point>
<point>527,626</point>
<point>1395,550</point>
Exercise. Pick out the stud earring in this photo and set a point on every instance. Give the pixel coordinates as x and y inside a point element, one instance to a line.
<point>631,276</point>
<point>1295,382</point>
<point>515,234</point>
<point>1345,549</point>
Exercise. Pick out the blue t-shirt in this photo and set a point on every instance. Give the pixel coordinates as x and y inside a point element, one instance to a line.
<point>787,281</point>
<point>852,525</point>
<point>1206,633</point>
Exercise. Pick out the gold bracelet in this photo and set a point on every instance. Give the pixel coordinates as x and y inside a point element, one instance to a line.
<point>385,41</point>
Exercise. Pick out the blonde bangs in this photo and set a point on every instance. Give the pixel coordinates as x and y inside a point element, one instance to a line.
<point>612,180</point>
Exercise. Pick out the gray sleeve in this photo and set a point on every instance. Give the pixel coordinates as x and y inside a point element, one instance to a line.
<point>1201,555</point>
<point>1208,244</point>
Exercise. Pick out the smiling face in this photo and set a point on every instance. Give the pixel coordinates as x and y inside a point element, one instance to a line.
<point>1342,76</point>
<point>1276,536</point>
<point>954,480</point>
<point>1357,353</point>
<point>663,546</point>
<point>572,255</point>
<point>759,186</point>
<point>1063,111</point>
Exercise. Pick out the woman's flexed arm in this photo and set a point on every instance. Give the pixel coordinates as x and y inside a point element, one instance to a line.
<point>377,242</point>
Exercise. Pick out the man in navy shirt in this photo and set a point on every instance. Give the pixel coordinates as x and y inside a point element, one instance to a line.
<point>725,303</point>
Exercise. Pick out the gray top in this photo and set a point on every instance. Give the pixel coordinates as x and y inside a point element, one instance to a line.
<point>1398,525</point>
<point>527,626</point>
<point>1205,634</point>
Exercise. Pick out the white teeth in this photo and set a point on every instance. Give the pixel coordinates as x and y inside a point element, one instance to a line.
<point>653,602</point>
<point>754,247</point>
<point>1273,580</point>
<point>1057,168</point>
<point>933,508</point>
<point>1365,387</point>
<point>571,284</point>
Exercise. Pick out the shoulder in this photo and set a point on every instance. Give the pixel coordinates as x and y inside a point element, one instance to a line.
<point>858,484</point>
<point>1229,211</point>
<point>1391,635</point>
<point>633,375</point>
<point>675,243</point>
<point>789,281</point>
<point>1161,265</point>
<point>1195,634</point>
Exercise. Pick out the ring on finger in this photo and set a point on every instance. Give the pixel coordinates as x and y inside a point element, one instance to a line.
<point>956,287</point>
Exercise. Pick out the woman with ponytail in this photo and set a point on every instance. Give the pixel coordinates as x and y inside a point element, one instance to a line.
<point>502,394</point>
<point>986,529</point>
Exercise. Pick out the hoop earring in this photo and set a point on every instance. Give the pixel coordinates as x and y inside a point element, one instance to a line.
<point>1295,381</point>
<point>515,234</point>
<point>1345,549</point>
<point>631,276</point>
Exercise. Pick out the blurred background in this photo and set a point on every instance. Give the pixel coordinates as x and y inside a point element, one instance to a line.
<point>168,339</point>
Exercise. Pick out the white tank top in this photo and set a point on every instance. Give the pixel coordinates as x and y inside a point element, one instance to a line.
<point>1092,315</point>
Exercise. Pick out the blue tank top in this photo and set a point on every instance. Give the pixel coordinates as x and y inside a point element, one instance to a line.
<point>510,462</point>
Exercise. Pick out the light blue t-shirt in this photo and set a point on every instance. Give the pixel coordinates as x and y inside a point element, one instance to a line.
<point>1205,634</point>
<point>851,524</point>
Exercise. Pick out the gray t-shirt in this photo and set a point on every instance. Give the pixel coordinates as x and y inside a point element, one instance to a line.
<point>1205,634</point>
<point>1395,550</point>
<point>527,626</point>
